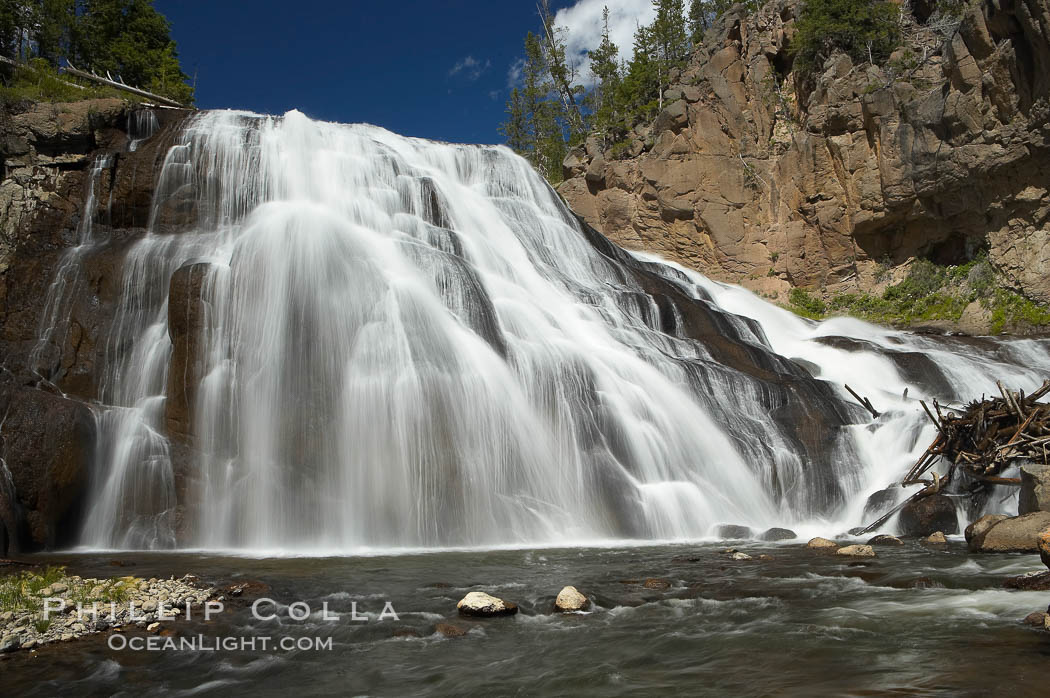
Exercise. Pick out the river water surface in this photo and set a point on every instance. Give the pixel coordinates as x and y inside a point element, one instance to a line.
<point>914,621</point>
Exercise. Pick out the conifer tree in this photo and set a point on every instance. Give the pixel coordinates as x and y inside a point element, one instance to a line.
<point>605,70</point>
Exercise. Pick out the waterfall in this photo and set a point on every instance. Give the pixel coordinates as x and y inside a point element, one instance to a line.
<point>334,338</point>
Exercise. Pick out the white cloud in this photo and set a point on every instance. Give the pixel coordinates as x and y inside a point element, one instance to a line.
<point>514,72</point>
<point>470,68</point>
<point>584,24</point>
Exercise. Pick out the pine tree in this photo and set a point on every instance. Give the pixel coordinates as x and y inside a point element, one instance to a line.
<point>515,128</point>
<point>669,40</point>
<point>698,10</point>
<point>562,72</point>
<point>606,72</point>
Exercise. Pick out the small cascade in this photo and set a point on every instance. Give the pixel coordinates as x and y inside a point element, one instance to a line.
<point>142,125</point>
<point>334,338</point>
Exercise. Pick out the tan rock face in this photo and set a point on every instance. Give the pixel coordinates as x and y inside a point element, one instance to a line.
<point>745,178</point>
<point>1020,534</point>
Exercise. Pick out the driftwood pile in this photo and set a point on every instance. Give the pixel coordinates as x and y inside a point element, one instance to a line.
<point>987,437</point>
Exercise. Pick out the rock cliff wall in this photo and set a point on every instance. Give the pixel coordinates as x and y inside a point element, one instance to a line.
<point>749,178</point>
<point>52,161</point>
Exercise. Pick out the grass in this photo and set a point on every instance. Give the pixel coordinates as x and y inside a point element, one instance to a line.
<point>930,292</point>
<point>20,592</point>
<point>39,81</point>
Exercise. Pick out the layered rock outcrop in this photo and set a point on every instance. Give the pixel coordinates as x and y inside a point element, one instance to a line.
<point>753,175</point>
<point>56,158</point>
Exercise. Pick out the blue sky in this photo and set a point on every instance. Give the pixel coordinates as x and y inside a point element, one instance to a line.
<point>431,69</point>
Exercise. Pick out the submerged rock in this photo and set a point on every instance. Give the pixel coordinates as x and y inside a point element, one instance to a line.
<point>856,551</point>
<point>1035,488</point>
<point>570,599</point>
<point>928,515</point>
<point>733,531</point>
<point>1019,534</point>
<point>1033,581</point>
<point>775,534</point>
<point>478,603</point>
<point>656,583</point>
<point>885,540</point>
<point>819,543</point>
<point>450,629</point>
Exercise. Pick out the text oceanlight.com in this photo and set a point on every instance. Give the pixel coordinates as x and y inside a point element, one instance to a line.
<point>200,643</point>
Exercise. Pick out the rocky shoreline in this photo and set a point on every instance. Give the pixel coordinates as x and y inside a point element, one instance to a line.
<point>39,608</point>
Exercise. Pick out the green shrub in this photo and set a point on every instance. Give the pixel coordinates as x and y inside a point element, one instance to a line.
<point>865,29</point>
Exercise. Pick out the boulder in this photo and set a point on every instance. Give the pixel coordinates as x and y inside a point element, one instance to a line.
<point>740,557</point>
<point>656,583</point>
<point>885,540</point>
<point>856,551</point>
<point>1035,488</point>
<point>979,527</point>
<point>775,534</point>
<point>1037,619</point>
<point>570,599</point>
<point>1017,535</point>
<point>732,531</point>
<point>819,543</point>
<point>880,503</point>
<point>596,170</point>
<point>937,538</point>
<point>1033,581</point>
<point>480,604</point>
<point>928,515</point>
<point>1043,542</point>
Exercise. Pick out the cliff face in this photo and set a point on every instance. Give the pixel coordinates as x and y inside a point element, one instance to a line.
<point>943,151</point>
<point>48,382</point>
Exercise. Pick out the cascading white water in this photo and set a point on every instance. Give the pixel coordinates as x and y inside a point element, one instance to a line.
<point>403,343</point>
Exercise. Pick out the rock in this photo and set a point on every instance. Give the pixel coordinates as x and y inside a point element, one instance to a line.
<point>819,543</point>
<point>1046,622</point>
<point>740,556</point>
<point>9,643</point>
<point>149,606</point>
<point>478,603</point>
<point>734,532</point>
<point>596,170</point>
<point>937,538</point>
<point>879,503</point>
<point>1033,581</point>
<point>928,515</point>
<point>450,630</point>
<point>655,583</point>
<point>1037,619</point>
<point>1035,488</point>
<point>153,627</point>
<point>777,534</point>
<point>885,540</point>
<point>1019,534</point>
<point>570,599</point>
<point>856,551</point>
<point>1043,542</point>
<point>978,528</point>
<point>923,583</point>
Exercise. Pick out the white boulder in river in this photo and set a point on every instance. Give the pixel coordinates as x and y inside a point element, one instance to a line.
<point>570,599</point>
<point>478,603</point>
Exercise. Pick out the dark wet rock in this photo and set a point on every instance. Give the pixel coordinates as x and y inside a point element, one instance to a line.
<point>1033,581</point>
<point>1035,488</point>
<point>923,583</point>
<point>686,558</point>
<point>187,317</point>
<point>879,503</point>
<point>1019,534</point>
<point>928,515</point>
<point>734,532</point>
<point>885,540</point>
<point>412,632</point>
<point>249,589</point>
<point>777,534</point>
<point>480,604</point>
